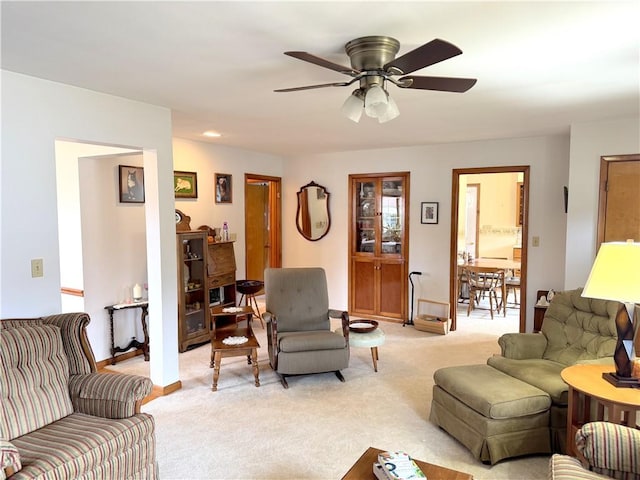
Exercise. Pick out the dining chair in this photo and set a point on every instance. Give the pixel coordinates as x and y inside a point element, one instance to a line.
<point>512,284</point>
<point>463,285</point>
<point>485,281</point>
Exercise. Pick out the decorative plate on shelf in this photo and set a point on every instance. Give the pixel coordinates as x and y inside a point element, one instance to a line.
<point>363,326</point>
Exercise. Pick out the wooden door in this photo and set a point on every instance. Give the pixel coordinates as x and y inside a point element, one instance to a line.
<point>619,206</point>
<point>363,285</point>
<point>393,288</point>
<point>263,228</point>
<point>257,208</point>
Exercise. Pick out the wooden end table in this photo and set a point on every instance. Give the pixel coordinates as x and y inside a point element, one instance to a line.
<point>134,343</point>
<point>612,404</point>
<point>222,329</point>
<point>363,469</point>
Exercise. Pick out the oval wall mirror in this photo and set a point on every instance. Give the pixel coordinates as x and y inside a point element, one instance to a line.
<point>313,219</point>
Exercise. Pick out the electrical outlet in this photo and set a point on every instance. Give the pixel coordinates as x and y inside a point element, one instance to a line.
<point>535,241</point>
<point>36,268</point>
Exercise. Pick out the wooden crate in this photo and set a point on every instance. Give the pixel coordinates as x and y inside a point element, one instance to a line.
<point>433,317</point>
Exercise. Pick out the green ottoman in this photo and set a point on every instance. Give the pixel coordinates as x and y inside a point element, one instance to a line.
<point>491,413</point>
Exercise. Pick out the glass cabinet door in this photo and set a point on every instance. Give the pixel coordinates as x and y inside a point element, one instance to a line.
<point>194,285</point>
<point>366,210</point>
<point>392,217</point>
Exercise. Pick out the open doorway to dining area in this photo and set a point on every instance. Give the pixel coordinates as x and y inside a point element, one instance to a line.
<point>488,254</point>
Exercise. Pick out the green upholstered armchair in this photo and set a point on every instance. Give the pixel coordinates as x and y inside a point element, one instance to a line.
<point>59,418</point>
<point>575,329</point>
<point>299,334</point>
<point>605,450</point>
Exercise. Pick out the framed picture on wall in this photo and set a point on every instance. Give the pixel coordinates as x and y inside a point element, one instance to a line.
<point>185,184</point>
<point>429,212</point>
<point>223,188</point>
<point>131,184</point>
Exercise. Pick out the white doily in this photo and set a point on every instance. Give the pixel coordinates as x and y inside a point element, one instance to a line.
<point>235,340</point>
<point>232,309</point>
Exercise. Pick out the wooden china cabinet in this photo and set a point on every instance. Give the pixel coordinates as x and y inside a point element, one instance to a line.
<point>378,245</point>
<point>193,304</point>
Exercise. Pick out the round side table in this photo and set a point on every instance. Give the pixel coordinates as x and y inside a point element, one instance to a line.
<point>587,387</point>
<point>371,339</point>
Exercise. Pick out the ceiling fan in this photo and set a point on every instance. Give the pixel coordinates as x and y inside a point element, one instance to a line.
<point>374,62</point>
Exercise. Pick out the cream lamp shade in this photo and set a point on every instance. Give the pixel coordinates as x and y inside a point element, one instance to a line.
<point>615,274</point>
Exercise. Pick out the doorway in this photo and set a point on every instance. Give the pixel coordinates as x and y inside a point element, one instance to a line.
<point>461,178</point>
<point>263,227</point>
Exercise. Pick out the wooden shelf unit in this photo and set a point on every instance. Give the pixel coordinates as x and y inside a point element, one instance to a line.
<point>193,314</point>
<point>378,239</point>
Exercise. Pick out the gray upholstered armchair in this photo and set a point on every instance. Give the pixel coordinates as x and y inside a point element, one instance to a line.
<point>299,334</point>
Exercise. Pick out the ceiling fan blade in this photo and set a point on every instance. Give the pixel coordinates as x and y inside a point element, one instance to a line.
<point>307,57</point>
<point>443,84</point>
<point>310,87</point>
<point>428,54</point>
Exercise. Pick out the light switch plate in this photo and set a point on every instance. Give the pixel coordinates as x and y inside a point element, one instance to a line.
<point>36,268</point>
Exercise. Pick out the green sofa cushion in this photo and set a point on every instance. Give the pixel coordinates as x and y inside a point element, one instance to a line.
<point>491,392</point>
<point>579,328</point>
<point>542,374</point>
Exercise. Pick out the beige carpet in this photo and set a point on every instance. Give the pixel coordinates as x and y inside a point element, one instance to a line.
<point>319,427</point>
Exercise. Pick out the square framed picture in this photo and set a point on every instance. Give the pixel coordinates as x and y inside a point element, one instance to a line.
<point>131,184</point>
<point>223,188</point>
<point>429,212</point>
<point>185,184</point>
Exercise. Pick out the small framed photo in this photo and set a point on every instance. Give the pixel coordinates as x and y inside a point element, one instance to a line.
<point>131,184</point>
<point>185,184</point>
<point>223,188</point>
<point>429,212</point>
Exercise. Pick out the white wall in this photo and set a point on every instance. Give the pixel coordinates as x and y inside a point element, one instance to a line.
<point>35,113</point>
<point>590,141</point>
<point>431,169</point>
<point>115,232</point>
<point>68,181</point>
<point>206,160</point>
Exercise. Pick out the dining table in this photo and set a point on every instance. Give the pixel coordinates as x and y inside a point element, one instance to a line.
<point>490,265</point>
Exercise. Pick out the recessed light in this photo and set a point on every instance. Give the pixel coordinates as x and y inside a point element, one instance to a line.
<point>211,133</point>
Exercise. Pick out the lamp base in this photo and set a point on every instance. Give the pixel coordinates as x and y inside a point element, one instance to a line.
<point>615,380</point>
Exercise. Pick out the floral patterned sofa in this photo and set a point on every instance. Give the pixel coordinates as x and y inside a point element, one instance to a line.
<point>59,418</point>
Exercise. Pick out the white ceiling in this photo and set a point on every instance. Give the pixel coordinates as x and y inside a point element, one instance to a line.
<point>541,66</point>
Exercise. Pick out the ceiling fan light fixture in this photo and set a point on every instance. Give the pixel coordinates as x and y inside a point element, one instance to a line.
<point>353,106</point>
<point>376,101</point>
<point>392,111</point>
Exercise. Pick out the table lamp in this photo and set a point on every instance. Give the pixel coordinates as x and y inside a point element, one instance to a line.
<point>615,275</point>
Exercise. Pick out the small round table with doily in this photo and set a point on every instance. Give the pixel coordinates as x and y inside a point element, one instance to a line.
<point>366,333</point>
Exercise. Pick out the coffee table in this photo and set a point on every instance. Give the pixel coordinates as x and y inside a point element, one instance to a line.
<point>363,469</point>
<point>220,349</point>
